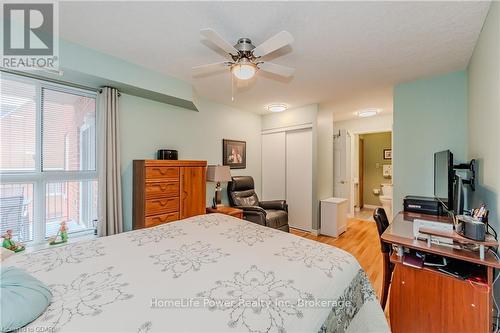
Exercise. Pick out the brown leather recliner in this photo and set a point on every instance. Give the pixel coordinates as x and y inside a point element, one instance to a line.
<point>241,194</point>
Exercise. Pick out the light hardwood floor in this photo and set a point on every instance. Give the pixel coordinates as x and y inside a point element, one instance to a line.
<point>361,240</point>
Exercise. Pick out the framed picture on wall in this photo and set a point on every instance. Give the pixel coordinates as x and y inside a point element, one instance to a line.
<point>387,154</point>
<point>234,154</point>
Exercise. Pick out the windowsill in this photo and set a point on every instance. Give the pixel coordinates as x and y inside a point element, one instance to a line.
<point>72,239</point>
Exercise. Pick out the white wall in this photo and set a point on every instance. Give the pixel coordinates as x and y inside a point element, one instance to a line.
<point>380,123</point>
<point>325,155</point>
<point>484,113</point>
<point>147,126</point>
<point>292,117</point>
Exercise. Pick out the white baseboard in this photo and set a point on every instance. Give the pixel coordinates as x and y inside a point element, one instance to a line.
<point>315,232</point>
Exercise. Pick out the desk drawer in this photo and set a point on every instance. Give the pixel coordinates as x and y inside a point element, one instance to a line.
<point>159,172</point>
<point>151,221</point>
<point>164,205</point>
<point>162,189</point>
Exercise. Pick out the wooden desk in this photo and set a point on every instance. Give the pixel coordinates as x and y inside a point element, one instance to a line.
<point>426,300</point>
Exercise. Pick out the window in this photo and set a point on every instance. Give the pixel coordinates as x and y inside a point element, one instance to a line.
<point>47,158</point>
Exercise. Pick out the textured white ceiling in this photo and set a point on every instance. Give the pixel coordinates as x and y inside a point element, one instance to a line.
<point>341,49</point>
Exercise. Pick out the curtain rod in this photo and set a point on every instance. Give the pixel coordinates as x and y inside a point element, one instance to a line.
<point>42,78</point>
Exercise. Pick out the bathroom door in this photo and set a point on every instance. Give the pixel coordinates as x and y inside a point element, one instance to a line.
<point>342,166</point>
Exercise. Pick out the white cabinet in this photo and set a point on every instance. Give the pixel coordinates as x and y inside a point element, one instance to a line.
<point>333,216</point>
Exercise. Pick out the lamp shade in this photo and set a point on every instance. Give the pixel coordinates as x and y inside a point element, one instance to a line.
<point>218,173</point>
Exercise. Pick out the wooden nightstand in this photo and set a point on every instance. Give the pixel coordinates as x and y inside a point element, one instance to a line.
<point>238,213</point>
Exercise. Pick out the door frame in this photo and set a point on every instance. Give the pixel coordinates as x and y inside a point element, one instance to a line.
<point>356,136</point>
<point>361,164</point>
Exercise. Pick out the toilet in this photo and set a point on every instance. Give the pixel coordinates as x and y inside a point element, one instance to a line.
<point>386,199</point>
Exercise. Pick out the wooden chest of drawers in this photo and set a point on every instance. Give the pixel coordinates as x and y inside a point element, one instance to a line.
<point>166,191</point>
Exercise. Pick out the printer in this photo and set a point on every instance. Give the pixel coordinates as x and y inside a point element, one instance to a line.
<point>423,205</point>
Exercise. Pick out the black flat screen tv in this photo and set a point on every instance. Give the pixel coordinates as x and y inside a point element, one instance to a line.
<point>444,177</point>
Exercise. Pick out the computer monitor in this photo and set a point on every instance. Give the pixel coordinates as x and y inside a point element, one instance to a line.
<point>444,178</point>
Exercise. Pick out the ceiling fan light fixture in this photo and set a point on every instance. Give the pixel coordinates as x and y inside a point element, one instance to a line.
<point>277,107</point>
<point>244,70</point>
<point>367,112</point>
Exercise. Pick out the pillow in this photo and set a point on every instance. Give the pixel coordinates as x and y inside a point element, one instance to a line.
<point>22,298</point>
<point>5,253</point>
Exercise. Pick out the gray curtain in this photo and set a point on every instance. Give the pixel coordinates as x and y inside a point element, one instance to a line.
<point>110,187</point>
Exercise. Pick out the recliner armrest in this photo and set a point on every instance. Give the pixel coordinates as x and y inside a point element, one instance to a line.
<point>274,204</point>
<point>255,209</point>
<point>254,214</point>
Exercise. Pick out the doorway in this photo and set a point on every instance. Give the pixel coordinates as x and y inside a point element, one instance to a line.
<point>372,173</point>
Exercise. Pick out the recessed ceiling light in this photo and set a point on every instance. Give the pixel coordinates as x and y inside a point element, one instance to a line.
<point>277,107</point>
<point>367,112</point>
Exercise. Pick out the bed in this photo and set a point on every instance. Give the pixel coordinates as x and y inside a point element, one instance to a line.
<point>209,273</point>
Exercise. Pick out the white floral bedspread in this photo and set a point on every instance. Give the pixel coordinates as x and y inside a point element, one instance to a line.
<point>211,273</point>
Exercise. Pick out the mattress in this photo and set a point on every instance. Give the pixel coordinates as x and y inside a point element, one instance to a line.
<point>209,273</point>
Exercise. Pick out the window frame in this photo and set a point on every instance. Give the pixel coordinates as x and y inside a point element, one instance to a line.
<point>40,178</point>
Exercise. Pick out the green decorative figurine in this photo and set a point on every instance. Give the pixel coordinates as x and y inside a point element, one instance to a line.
<point>63,233</point>
<point>9,244</point>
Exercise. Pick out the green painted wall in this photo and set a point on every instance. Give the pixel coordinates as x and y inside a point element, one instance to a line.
<point>90,68</point>
<point>430,115</point>
<point>147,126</point>
<point>484,115</point>
<point>374,145</point>
<point>82,63</point>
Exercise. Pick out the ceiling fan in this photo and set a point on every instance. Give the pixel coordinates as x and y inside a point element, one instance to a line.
<point>245,58</point>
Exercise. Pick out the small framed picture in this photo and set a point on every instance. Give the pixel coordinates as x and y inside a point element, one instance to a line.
<point>387,154</point>
<point>234,154</point>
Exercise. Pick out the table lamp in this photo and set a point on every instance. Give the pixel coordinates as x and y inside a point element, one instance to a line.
<point>218,174</point>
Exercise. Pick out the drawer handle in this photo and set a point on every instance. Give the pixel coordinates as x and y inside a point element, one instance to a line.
<point>164,202</point>
<point>162,171</point>
<point>163,187</point>
<point>160,219</point>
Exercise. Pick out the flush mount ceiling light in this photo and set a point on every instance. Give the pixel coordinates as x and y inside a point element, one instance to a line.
<point>244,69</point>
<point>277,107</point>
<point>367,112</point>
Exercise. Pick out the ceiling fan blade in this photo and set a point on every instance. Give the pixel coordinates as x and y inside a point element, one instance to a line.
<point>209,68</point>
<point>277,69</point>
<point>272,44</point>
<point>215,38</point>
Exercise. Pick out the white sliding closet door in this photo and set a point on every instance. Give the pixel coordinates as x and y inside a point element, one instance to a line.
<point>273,166</point>
<point>299,178</point>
